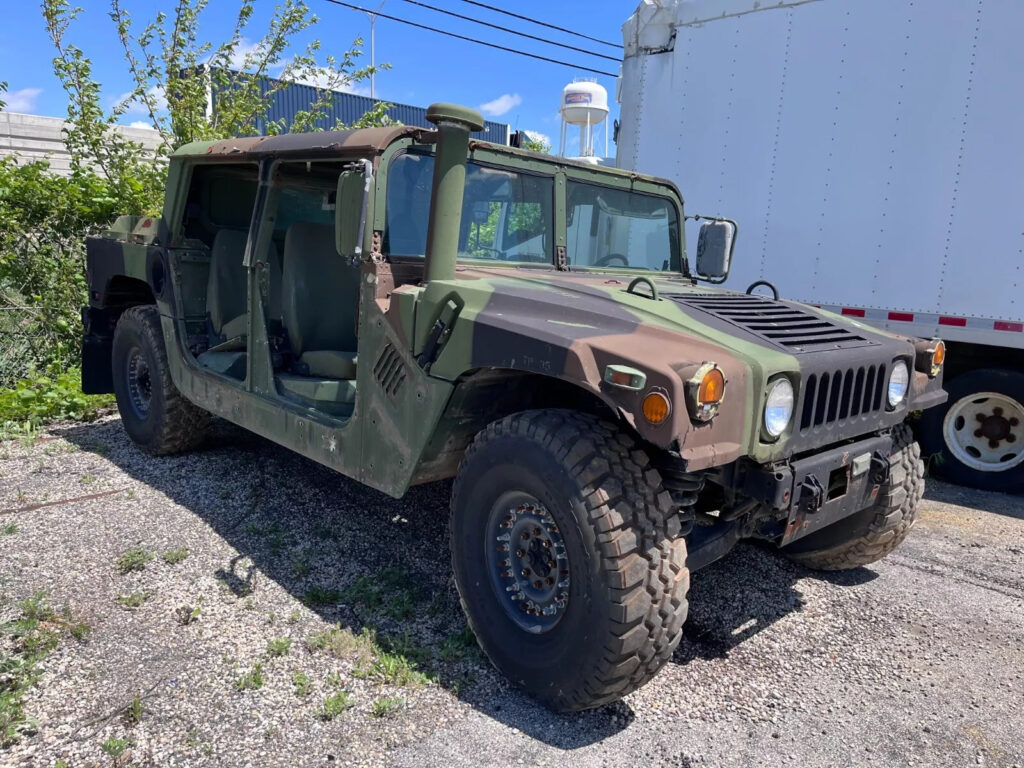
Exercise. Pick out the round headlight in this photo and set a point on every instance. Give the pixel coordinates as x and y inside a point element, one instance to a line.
<point>778,408</point>
<point>899,380</point>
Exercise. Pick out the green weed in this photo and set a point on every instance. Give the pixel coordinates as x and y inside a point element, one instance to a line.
<point>133,559</point>
<point>116,747</point>
<point>279,646</point>
<point>134,599</point>
<point>387,706</point>
<point>175,555</point>
<point>252,680</point>
<point>335,704</point>
<point>303,684</point>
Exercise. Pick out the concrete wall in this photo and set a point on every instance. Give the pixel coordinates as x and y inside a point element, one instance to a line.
<point>34,137</point>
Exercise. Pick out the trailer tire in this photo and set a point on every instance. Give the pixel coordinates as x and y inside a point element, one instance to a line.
<point>869,535</point>
<point>153,412</point>
<point>615,532</point>
<point>987,401</point>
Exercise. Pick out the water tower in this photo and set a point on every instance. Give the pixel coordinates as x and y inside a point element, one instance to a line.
<point>585,104</point>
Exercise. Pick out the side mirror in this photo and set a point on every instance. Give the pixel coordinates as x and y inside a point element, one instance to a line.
<point>715,244</point>
<point>350,213</point>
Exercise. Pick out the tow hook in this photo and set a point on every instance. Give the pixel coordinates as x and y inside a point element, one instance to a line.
<point>880,468</point>
<point>812,495</point>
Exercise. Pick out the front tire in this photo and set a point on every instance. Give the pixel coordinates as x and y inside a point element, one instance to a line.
<point>587,511</point>
<point>978,433</point>
<point>154,414</point>
<point>869,535</point>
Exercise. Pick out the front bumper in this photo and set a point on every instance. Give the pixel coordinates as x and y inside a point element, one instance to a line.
<point>816,491</point>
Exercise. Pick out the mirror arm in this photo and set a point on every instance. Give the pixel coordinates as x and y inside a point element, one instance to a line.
<point>367,185</point>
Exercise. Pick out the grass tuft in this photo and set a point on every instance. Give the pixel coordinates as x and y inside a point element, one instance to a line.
<point>335,704</point>
<point>175,555</point>
<point>134,599</point>
<point>252,680</point>
<point>387,706</point>
<point>279,646</point>
<point>133,559</point>
<point>303,684</point>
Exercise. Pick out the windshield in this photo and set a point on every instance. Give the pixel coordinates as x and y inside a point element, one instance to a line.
<point>506,215</point>
<point>610,227</point>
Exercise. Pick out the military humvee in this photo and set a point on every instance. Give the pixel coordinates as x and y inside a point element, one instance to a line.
<point>405,305</point>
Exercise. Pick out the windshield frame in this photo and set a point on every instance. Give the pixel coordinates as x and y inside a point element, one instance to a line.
<point>560,170</point>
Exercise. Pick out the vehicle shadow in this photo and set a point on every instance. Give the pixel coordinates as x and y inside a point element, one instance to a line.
<point>363,560</point>
<point>1009,504</point>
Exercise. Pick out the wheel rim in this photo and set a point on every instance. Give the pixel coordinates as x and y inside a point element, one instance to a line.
<point>140,383</point>
<point>985,431</point>
<point>527,561</point>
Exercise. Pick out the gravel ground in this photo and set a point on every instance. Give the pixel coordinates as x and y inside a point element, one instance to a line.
<point>918,660</point>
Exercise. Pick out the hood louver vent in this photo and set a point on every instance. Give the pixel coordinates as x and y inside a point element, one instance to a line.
<point>786,325</point>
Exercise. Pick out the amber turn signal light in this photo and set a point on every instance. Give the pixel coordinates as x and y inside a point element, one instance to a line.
<point>711,388</point>
<point>656,407</point>
<point>704,391</point>
<point>929,356</point>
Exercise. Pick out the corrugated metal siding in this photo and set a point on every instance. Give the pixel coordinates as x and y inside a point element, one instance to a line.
<point>348,108</point>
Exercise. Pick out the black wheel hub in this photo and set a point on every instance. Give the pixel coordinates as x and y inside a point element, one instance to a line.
<point>140,383</point>
<point>995,427</point>
<point>528,564</point>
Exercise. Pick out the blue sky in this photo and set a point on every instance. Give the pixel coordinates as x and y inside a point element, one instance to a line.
<point>426,67</point>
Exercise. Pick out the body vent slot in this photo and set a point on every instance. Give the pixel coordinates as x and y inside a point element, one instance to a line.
<point>838,396</point>
<point>389,371</point>
<point>788,326</point>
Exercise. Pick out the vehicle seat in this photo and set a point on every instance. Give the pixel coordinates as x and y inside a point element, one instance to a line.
<point>226,285</point>
<point>320,296</point>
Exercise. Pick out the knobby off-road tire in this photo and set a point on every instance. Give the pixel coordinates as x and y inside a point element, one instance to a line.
<point>626,563</point>
<point>874,532</point>
<point>154,414</point>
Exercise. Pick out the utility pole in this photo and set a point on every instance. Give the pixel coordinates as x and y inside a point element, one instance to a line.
<point>373,21</point>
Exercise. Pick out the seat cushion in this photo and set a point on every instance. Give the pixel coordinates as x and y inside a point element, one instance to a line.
<point>320,290</point>
<point>236,326</point>
<point>231,364</point>
<point>226,284</point>
<point>330,364</point>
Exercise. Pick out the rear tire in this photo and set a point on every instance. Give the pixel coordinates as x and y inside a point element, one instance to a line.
<point>586,488</point>
<point>869,535</point>
<point>154,414</point>
<point>950,431</point>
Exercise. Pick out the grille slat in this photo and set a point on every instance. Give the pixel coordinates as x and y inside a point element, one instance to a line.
<point>389,371</point>
<point>788,326</point>
<point>836,397</point>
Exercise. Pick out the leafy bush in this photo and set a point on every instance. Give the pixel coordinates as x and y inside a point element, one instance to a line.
<point>53,396</point>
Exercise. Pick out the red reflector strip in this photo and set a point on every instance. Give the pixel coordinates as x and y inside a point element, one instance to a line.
<point>906,317</point>
<point>958,321</point>
<point>853,312</point>
<point>1002,325</point>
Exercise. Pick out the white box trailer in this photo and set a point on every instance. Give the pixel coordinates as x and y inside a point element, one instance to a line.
<point>872,153</point>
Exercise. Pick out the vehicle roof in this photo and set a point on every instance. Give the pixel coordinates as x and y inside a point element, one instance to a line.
<point>356,140</point>
<point>363,141</point>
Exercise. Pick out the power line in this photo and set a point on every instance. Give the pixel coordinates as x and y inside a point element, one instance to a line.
<point>513,32</point>
<point>473,39</point>
<point>541,23</point>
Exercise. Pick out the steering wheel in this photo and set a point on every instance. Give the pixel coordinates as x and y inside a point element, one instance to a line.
<point>606,260</point>
<point>755,284</point>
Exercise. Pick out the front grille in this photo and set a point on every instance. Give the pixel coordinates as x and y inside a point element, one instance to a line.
<point>788,326</point>
<point>833,398</point>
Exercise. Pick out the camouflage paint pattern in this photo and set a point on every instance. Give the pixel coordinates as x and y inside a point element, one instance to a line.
<point>412,418</point>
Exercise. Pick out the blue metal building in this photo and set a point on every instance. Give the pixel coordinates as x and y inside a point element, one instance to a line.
<point>348,108</point>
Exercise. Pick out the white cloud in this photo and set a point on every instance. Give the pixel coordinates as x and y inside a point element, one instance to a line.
<point>543,138</point>
<point>501,105</point>
<point>137,107</point>
<point>141,124</point>
<point>21,101</point>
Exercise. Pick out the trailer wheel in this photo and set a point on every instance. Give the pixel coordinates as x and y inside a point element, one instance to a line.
<point>567,557</point>
<point>978,433</point>
<point>154,414</point>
